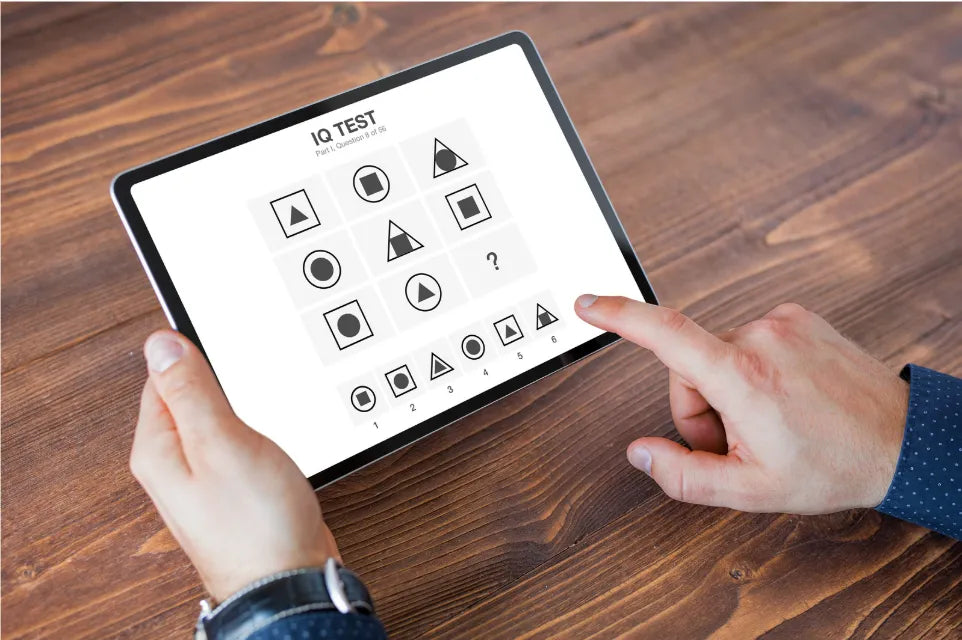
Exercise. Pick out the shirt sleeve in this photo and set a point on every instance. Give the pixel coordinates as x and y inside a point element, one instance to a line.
<point>313,625</point>
<point>927,486</point>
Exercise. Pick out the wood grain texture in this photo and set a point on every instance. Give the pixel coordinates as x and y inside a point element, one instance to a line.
<point>756,154</point>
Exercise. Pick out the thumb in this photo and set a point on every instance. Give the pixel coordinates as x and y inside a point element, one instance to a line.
<point>187,386</point>
<point>699,477</point>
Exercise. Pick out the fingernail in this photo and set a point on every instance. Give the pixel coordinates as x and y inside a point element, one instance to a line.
<point>162,352</point>
<point>640,458</point>
<point>586,300</point>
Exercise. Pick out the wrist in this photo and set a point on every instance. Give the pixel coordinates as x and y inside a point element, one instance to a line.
<point>222,580</point>
<point>891,435</point>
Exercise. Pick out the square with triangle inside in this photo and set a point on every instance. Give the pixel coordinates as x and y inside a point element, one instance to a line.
<point>508,330</point>
<point>295,213</point>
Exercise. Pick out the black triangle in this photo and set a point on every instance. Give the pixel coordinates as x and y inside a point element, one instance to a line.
<point>438,366</point>
<point>458,160</point>
<point>508,331</point>
<point>424,293</point>
<point>296,215</point>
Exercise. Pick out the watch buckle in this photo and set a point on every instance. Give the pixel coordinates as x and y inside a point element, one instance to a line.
<point>335,587</point>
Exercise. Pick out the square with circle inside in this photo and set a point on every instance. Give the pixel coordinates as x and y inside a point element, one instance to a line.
<point>400,380</point>
<point>348,324</point>
<point>295,213</point>
<point>468,206</point>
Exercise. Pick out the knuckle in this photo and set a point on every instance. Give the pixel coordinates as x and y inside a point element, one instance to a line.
<point>757,371</point>
<point>674,320</point>
<point>790,309</point>
<point>769,329</point>
<point>762,327</point>
<point>679,486</point>
<point>178,388</point>
<point>689,490</point>
<point>622,309</point>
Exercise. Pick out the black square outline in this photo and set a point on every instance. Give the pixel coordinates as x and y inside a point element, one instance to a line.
<point>334,334</point>
<point>454,213</point>
<point>173,304</point>
<point>516,323</point>
<point>387,376</point>
<point>311,204</point>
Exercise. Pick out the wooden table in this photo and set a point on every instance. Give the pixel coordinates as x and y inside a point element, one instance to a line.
<point>756,154</point>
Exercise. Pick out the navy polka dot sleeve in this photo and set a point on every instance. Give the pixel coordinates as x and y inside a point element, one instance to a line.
<point>927,487</point>
<point>327,625</point>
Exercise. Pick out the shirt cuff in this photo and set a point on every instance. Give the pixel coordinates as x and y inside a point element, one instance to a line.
<point>927,486</point>
<point>323,624</point>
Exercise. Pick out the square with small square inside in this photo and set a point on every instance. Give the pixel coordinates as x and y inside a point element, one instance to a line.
<point>468,206</point>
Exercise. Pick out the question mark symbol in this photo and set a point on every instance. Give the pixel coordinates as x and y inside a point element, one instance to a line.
<point>493,257</point>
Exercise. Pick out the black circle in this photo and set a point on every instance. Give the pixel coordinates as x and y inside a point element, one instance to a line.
<point>322,269</point>
<point>348,325</point>
<point>445,159</point>
<point>401,381</point>
<point>385,186</point>
<point>472,347</point>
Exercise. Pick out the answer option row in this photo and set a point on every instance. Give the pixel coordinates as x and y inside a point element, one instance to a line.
<point>435,366</point>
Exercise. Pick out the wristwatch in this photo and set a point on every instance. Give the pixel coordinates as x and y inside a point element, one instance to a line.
<point>328,588</point>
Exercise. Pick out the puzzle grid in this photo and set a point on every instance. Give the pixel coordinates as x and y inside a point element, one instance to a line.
<point>373,247</point>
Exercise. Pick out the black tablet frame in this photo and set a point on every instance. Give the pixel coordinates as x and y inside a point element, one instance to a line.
<point>180,320</point>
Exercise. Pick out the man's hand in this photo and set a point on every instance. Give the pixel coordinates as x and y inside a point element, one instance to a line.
<point>235,502</point>
<point>783,413</point>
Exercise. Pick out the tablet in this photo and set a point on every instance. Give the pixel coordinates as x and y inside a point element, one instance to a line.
<point>371,267</point>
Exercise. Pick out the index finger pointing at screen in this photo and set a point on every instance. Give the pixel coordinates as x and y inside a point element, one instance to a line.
<point>674,338</point>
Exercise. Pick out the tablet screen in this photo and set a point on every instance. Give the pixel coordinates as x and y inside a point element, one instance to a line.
<point>363,271</point>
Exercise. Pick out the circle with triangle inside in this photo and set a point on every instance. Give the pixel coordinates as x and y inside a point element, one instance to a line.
<point>423,292</point>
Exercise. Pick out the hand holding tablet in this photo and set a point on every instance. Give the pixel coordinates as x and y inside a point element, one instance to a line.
<point>392,258</point>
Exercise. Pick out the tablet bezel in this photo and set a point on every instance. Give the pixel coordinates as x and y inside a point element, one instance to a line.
<point>178,317</point>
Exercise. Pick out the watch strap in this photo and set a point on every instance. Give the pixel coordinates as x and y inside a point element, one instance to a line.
<point>281,595</point>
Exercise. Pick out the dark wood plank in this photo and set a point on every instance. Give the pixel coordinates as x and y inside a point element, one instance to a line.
<point>756,153</point>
